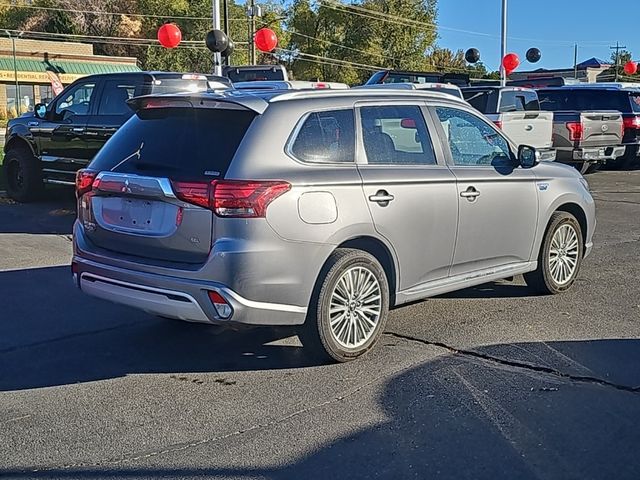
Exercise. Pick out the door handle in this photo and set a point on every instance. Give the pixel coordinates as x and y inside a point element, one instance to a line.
<point>470,194</point>
<point>382,198</point>
<point>78,129</point>
<point>33,123</point>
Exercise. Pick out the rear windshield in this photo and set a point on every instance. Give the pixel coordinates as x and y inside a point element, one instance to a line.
<point>180,143</point>
<point>252,75</point>
<point>479,99</point>
<point>585,99</point>
<point>175,85</point>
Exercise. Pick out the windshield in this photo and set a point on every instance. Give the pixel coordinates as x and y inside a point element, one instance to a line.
<point>183,143</point>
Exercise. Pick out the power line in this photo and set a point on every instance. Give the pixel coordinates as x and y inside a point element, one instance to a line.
<point>341,46</point>
<point>98,12</point>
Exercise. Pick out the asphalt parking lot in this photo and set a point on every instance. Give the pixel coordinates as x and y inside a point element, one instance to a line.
<point>486,383</point>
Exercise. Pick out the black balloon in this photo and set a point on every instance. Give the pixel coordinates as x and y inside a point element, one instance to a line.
<point>472,55</point>
<point>533,55</point>
<point>229,50</point>
<point>217,41</point>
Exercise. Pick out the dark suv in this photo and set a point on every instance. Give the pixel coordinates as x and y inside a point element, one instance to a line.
<point>616,96</point>
<point>50,144</point>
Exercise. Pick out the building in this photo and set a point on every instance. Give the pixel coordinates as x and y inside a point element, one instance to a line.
<point>587,71</point>
<point>41,64</point>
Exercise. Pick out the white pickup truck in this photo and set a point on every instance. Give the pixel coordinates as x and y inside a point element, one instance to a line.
<point>517,112</point>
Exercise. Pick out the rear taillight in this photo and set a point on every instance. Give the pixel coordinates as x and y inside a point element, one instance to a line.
<point>232,198</point>
<point>632,123</point>
<point>84,181</point>
<point>197,193</point>
<point>575,131</point>
<point>498,123</point>
<point>247,199</point>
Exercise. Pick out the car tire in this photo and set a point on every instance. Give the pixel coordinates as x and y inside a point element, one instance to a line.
<point>23,175</point>
<point>349,307</point>
<point>560,256</point>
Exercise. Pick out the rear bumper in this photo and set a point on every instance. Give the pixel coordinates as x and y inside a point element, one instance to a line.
<point>597,154</point>
<point>178,298</point>
<point>547,154</point>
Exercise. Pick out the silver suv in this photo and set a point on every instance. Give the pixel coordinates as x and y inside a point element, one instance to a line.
<point>319,210</point>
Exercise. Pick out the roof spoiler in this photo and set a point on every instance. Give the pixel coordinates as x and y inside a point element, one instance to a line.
<point>223,100</point>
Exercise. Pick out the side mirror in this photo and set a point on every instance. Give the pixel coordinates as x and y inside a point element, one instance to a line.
<point>528,156</point>
<point>40,110</point>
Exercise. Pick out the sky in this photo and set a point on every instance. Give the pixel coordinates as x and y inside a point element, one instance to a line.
<point>553,26</point>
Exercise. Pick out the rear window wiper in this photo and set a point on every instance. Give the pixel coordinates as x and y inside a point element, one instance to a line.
<point>134,154</point>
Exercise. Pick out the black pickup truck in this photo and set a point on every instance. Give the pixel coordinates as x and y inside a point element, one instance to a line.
<point>54,141</point>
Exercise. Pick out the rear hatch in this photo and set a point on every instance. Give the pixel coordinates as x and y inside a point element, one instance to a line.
<point>528,128</point>
<point>601,129</point>
<point>151,197</point>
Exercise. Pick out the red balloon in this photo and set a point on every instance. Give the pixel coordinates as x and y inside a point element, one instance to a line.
<point>169,35</point>
<point>510,62</point>
<point>265,39</point>
<point>630,67</point>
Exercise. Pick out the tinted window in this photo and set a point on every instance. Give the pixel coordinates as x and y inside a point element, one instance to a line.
<point>472,141</point>
<point>253,74</point>
<point>634,99</point>
<point>478,99</point>
<point>509,102</point>
<point>115,95</point>
<point>531,102</point>
<point>581,99</point>
<point>326,137</point>
<point>77,100</point>
<point>180,143</point>
<point>396,135</point>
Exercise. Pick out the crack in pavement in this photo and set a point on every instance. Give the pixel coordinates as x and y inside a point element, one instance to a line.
<point>518,364</point>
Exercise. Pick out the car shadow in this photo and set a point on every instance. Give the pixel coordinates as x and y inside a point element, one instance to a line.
<point>54,213</point>
<point>454,417</point>
<point>53,334</point>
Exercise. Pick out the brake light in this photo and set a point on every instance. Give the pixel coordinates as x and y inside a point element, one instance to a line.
<point>232,198</point>
<point>320,85</point>
<point>197,193</point>
<point>246,199</point>
<point>84,181</point>
<point>498,123</point>
<point>632,123</point>
<point>576,131</point>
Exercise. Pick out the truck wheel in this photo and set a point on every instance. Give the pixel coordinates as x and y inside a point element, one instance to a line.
<point>349,307</point>
<point>586,167</point>
<point>560,256</point>
<point>23,175</point>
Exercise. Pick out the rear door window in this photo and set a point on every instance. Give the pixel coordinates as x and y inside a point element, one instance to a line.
<point>115,95</point>
<point>396,135</point>
<point>180,143</point>
<point>531,102</point>
<point>326,137</point>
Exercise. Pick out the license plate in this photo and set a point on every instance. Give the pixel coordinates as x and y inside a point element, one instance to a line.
<point>129,213</point>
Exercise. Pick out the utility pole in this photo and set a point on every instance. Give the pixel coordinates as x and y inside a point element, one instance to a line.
<point>217,64</point>
<point>225,7</point>
<point>503,44</point>
<point>575,61</point>
<point>15,69</point>
<point>617,48</point>
<point>252,12</point>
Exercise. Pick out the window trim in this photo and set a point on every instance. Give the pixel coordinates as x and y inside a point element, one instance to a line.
<point>361,155</point>
<point>97,93</point>
<point>288,147</point>
<point>445,143</point>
